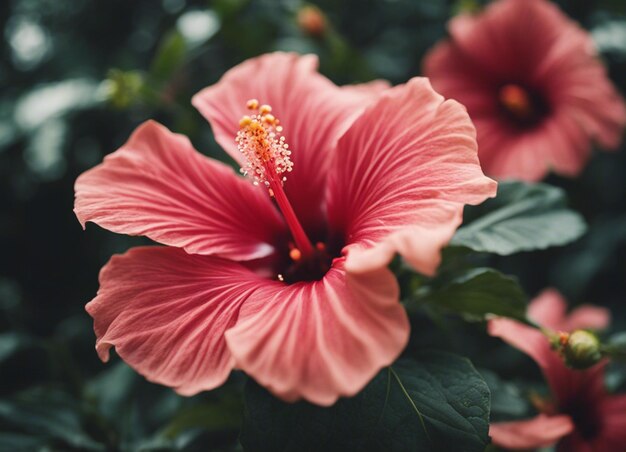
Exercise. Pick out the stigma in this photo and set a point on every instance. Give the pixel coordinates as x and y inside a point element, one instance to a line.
<point>259,139</point>
<point>517,101</point>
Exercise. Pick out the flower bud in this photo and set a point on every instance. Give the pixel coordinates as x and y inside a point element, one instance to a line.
<point>582,350</point>
<point>312,21</point>
<point>124,88</point>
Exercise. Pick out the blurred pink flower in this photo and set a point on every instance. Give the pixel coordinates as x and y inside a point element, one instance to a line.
<point>288,280</point>
<point>582,415</point>
<point>533,85</point>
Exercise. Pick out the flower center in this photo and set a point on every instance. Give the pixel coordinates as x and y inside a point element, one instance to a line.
<point>267,161</point>
<point>524,106</point>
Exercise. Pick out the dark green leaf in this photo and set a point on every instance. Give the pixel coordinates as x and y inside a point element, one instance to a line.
<point>17,442</point>
<point>615,346</point>
<point>523,217</point>
<point>438,402</point>
<point>113,388</point>
<point>11,343</point>
<point>169,57</point>
<point>481,291</point>
<point>507,401</point>
<point>47,413</point>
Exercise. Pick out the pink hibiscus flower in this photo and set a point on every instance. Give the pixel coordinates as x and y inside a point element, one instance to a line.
<point>285,278</point>
<point>582,417</point>
<point>533,85</point>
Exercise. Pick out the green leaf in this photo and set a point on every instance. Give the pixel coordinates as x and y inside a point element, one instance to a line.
<point>11,343</point>
<point>615,346</point>
<point>48,413</point>
<point>20,443</point>
<point>481,291</point>
<point>437,402</point>
<point>523,217</point>
<point>169,57</point>
<point>507,400</point>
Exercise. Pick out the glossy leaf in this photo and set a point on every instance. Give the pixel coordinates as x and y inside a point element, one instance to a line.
<point>436,402</point>
<point>479,292</point>
<point>508,401</point>
<point>522,217</point>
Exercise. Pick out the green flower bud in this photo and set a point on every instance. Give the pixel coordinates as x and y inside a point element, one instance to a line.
<point>124,88</point>
<point>582,350</point>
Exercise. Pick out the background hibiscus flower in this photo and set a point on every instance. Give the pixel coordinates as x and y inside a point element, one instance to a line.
<point>580,415</point>
<point>534,86</point>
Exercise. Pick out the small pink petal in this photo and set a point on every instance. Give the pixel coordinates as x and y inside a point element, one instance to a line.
<point>313,111</point>
<point>166,311</point>
<point>540,431</point>
<point>549,310</point>
<point>158,186</point>
<point>407,164</point>
<point>588,317</point>
<point>523,337</point>
<point>320,340</point>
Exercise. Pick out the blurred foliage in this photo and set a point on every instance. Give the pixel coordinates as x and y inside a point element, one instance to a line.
<point>78,76</point>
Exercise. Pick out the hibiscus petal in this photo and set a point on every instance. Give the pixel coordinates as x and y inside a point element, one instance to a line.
<point>165,312</point>
<point>525,338</point>
<point>453,73</point>
<point>419,245</point>
<point>559,143</point>
<point>540,431</point>
<point>158,186</point>
<point>320,340</point>
<point>589,317</point>
<point>549,309</point>
<point>313,111</point>
<point>408,161</point>
<point>498,39</point>
<point>613,414</point>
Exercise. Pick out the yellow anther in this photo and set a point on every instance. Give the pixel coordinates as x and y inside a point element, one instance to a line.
<point>245,121</point>
<point>265,150</point>
<point>252,104</point>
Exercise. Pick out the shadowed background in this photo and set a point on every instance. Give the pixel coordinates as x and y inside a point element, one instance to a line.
<point>77,77</point>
